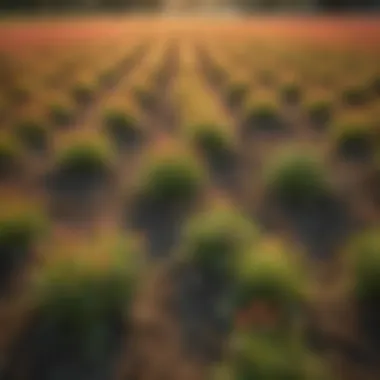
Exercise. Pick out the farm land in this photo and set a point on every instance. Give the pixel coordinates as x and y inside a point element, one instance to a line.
<point>190,198</point>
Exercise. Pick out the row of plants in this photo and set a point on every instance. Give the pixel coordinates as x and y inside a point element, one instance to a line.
<point>204,123</point>
<point>352,133</point>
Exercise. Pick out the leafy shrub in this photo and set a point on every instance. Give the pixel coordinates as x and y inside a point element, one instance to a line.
<point>376,85</point>
<point>169,178</point>
<point>10,155</point>
<point>268,276</point>
<point>366,266</point>
<point>145,97</point>
<point>319,111</point>
<point>20,228</point>
<point>291,92</point>
<point>353,138</point>
<point>32,133</point>
<point>355,96</point>
<point>120,126</point>
<point>86,295</point>
<point>212,140</point>
<point>84,160</point>
<point>83,93</point>
<point>296,178</point>
<point>213,240</point>
<point>20,94</point>
<point>60,114</point>
<point>236,93</point>
<point>264,115</point>
<point>268,357</point>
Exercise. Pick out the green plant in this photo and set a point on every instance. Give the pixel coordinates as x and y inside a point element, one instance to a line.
<point>20,94</point>
<point>376,85</point>
<point>353,138</point>
<point>85,294</point>
<point>291,92</point>
<point>319,111</point>
<point>32,133</point>
<point>355,95</point>
<point>84,160</point>
<point>145,97</point>
<point>366,266</point>
<point>83,93</point>
<point>120,126</point>
<point>169,178</point>
<point>212,140</point>
<point>270,277</point>
<point>20,229</point>
<point>214,240</point>
<point>237,92</point>
<point>296,178</point>
<point>264,115</point>
<point>10,155</point>
<point>60,114</point>
<point>268,357</point>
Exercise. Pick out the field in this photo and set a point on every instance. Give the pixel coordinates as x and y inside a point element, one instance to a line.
<point>190,198</point>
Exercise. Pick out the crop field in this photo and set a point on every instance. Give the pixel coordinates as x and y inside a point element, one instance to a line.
<point>190,198</point>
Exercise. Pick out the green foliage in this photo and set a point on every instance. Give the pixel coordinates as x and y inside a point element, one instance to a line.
<point>264,114</point>
<point>171,178</point>
<point>355,96</point>
<point>145,97</point>
<point>84,294</point>
<point>366,266</point>
<point>291,92</point>
<point>214,240</point>
<point>353,138</point>
<point>60,114</point>
<point>296,178</point>
<point>376,85</point>
<point>319,111</point>
<point>10,154</point>
<point>212,140</point>
<point>83,93</point>
<point>265,276</point>
<point>236,92</point>
<point>267,357</point>
<point>20,94</point>
<point>32,133</point>
<point>120,126</point>
<point>20,230</point>
<point>84,159</point>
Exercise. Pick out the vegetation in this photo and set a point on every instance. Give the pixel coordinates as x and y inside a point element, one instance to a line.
<point>297,178</point>
<point>214,141</point>
<point>10,155</point>
<point>60,114</point>
<point>214,240</point>
<point>120,127</point>
<point>170,177</point>
<point>84,160</point>
<point>291,92</point>
<point>86,294</point>
<point>353,138</point>
<point>319,111</point>
<point>83,93</point>
<point>366,266</point>
<point>32,133</point>
<point>21,227</point>
<point>264,115</point>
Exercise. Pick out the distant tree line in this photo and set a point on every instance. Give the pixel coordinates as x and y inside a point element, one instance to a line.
<point>38,6</point>
<point>131,5</point>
